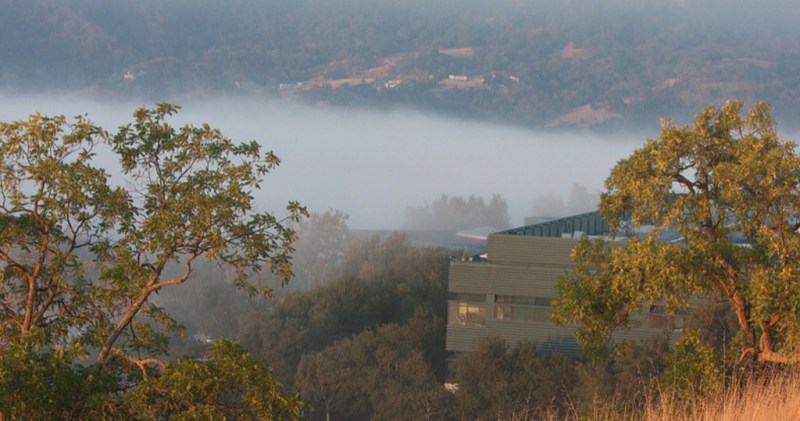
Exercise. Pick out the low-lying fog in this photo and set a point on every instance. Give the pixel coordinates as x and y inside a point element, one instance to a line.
<point>373,165</point>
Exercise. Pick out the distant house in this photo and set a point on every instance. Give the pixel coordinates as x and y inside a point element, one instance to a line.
<point>392,83</point>
<point>459,78</point>
<point>288,86</point>
<point>508,294</point>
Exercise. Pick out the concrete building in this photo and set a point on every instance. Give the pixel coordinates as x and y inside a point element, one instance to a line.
<point>508,293</point>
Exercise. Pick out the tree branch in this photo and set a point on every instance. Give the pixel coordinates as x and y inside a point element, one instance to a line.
<point>141,363</point>
<point>778,358</point>
<point>681,179</point>
<point>133,308</point>
<point>174,281</point>
<point>44,307</point>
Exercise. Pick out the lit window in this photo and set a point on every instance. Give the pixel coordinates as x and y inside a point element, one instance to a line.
<point>531,309</point>
<point>466,310</point>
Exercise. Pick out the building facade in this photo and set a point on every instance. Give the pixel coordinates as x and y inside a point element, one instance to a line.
<point>508,293</point>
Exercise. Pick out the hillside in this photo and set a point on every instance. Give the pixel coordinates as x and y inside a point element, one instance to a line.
<point>575,63</point>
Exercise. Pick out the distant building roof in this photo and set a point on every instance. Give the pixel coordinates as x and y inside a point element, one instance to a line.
<point>431,238</point>
<point>532,220</point>
<point>592,224</point>
<point>480,233</point>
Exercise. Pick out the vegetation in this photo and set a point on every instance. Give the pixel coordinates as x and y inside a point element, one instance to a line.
<point>775,399</point>
<point>322,240</point>
<point>82,254</point>
<point>95,262</point>
<point>456,213</point>
<point>728,186</point>
<point>535,63</point>
<point>380,374</point>
<point>386,282</point>
<point>497,381</point>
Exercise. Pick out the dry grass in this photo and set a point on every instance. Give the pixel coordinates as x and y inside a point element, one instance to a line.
<point>778,399</point>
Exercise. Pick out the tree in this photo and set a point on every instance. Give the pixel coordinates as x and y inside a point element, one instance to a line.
<point>322,240</point>
<point>693,366</point>
<point>82,252</point>
<point>553,205</point>
<point>631,377</point>
<point>456,213</point>
<point>497,381</point>
<point>728,186</point>
<point>320,376</point>
<point>231,384</point>
<point>385,281</point>
<point>41,385</point>
<point>376,374</point>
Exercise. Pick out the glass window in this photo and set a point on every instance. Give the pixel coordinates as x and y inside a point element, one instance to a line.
<point>660,319</point>
<point>466,310</point>
<point>678,323</point>
<point>507,307</point>
<point>470,298</point>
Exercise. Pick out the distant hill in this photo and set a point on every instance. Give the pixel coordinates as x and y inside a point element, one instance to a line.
<point>611,64</point>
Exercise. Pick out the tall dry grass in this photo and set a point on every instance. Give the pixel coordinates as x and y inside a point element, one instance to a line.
<point>775,400</point>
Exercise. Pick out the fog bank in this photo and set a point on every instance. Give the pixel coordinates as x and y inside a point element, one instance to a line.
<point>373,165</point>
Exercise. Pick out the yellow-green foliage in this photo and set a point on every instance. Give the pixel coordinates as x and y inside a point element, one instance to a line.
<point>692,365</point>
<point>728,186</point>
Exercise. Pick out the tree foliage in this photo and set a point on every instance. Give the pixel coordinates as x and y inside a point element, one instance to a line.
<point>82,252</point>
<point>498,381</point>
<point>538,60</point>
<point>45,385</point>
<point>231,384</point>
<point>693,365</point>
<point>377,374</point>
<point>322,240</point>
<point>385,281</point>
<point>728,186</point>
<point>456,213</point>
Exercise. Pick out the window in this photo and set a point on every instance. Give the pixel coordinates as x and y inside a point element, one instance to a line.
<point>660,320</point>
<point>531,309</point>
<point>466,310</point>
<point>635,320</point>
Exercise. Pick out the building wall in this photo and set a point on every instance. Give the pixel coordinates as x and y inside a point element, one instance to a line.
<point>529,250</point>
<point>508,296</point>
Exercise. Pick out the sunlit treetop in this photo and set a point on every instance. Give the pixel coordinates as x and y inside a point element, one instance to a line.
<point>81,256</point>
<point>728,185</point>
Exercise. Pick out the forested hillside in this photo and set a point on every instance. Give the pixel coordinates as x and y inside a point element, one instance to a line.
<point>543,64</point>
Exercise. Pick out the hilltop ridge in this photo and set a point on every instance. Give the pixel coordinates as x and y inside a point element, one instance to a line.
<point>575,63</point>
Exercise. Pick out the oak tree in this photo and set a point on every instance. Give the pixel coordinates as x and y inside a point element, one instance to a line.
<point>727,189</point>
<point>231,384</point>
<point>85,245</point>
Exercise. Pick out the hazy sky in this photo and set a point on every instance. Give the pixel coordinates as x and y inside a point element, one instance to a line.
<point>373,165</point>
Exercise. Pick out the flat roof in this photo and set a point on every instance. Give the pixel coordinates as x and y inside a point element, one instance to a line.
<point>589,224</point>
